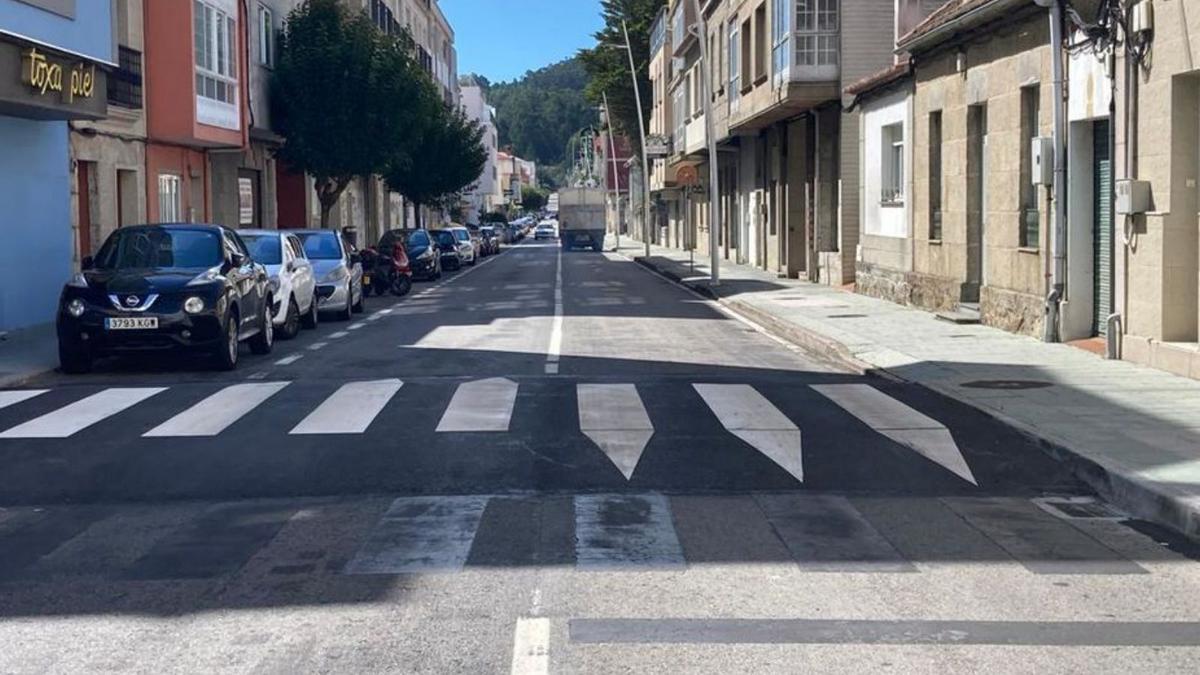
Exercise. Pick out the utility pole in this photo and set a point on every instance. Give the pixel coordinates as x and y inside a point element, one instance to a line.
<point>612,147</point>
<point>637,94</point>
<point>714,208</point>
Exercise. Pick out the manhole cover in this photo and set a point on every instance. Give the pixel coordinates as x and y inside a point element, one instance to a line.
<point>1079,508</point>
<point>847,316</point>
<point>1006,384</point>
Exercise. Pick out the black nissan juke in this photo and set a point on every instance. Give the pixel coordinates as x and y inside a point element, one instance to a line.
<point>191,288</point>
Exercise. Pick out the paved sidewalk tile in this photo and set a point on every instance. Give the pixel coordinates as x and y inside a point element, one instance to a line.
<point>1132,431</point>
<point>27,353</point>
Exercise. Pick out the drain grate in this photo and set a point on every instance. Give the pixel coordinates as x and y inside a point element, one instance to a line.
<point>1016,385</point>
<point>1079,508</point>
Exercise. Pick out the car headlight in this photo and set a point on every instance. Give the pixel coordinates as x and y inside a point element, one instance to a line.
<point>206,277</point>
<point>193,305</point>
<point>76,308</point>
<point>78,281</point>
<point>427,254</point>
<point>335,275</point>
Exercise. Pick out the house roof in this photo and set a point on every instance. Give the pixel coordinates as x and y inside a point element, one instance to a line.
<point>955,14</point>
<point>879,80</point>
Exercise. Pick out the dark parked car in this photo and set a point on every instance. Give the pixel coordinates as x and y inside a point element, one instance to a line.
<point>454,253</point>
<point>423,255</point>
<point>163,288</point>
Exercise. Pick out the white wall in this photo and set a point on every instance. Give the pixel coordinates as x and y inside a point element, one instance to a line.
<point>884,221</point>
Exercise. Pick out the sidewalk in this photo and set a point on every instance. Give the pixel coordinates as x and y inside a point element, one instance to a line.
<point>1132,432</point>
<point>27,353</point>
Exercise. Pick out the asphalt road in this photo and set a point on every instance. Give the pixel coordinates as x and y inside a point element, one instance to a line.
<point>556,462</point>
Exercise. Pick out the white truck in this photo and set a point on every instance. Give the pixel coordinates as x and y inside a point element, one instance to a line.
<point>582,214</point>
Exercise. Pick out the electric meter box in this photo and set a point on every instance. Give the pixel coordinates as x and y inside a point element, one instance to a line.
<point>1041,156</point>
<point>1133,197</point>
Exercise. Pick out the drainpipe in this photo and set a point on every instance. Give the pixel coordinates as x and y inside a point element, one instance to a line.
<point>1058,272</point>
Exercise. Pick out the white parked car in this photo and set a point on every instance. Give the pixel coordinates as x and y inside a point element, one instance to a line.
<point>293,282</point>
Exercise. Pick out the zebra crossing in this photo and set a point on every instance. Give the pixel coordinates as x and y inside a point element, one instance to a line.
<point>595,532</point>
<point>613,416</point>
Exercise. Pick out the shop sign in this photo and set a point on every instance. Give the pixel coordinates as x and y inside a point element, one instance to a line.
<point>658,145</point>
<point>245,201</point>
<point>68,81</point>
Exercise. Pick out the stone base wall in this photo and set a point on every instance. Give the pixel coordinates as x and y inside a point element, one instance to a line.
<point>1014,312</point>
<point>907,288</point>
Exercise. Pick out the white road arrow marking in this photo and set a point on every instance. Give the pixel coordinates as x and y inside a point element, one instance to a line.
<point>612,415</point>
<point>748,415</point>
<point>217,412</point>
<point>82,414</point>
<point>350,410</point>
<point>482,405</point>
<point>895,420</point>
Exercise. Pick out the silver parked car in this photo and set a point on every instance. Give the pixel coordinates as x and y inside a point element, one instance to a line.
<point>293,284</point>
<point>338,270</point>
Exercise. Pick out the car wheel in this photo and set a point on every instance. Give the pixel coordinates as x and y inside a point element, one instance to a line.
<point>402,285</point>
<point>291,326</point>
<point>313,317</point>
<point>359,307</point>
<point>264,341</point>
<point>74,359</point>
<point>345,314</point>
<point>473,261</point>
<point>226,356</point>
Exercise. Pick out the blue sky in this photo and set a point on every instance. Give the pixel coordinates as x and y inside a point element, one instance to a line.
<point>501,39</point>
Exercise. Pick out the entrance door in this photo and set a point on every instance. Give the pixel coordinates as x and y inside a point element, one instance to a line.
<point>83,233</point>
<point>976,201</point>
<point>1102,239</point>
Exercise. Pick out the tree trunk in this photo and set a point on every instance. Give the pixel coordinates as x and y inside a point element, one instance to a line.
<point>329,190</point>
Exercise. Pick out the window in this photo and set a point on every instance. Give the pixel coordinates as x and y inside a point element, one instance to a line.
<point>679,26</point>
<point>760,43</point>
<point>1030,217</point>
<point>817,32</point>
<point>780,34</point>
<point>125,83</point>
<point>747,41</point>
<point>170,205</point>
<point>266,37</point>
<point>216,54</point>
<point>735,65</point>
<point>891,152</point>
<point>935,175</point>
<point>679,113</point>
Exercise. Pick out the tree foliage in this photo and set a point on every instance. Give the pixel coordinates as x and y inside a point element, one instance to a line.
<point>494,217</point>
<point>533,199</point>
<point>443,163</point>
<point>345,95</point>
<point>537,114</point>
<point>607,64</point>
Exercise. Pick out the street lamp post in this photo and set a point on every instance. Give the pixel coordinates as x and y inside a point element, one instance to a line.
<point>612,153</point>
<point>637,94</point>
<point>714,208</point>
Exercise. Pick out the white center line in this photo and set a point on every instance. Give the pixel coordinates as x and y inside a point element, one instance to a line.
<point>554,351</point>
<point>356,326</point>
<point>289,360</point>
<point>317,345</point>
<point>531,647</point>
<point>338,335</point>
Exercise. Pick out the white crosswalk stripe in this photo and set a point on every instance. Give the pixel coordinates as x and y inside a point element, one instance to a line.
<point>747,414</point>
<point>8,398</point>
<point>217,412</point>
<point>82,414</point>
<point>482,405</point>
<point>612,415</point>
<point>351,409</point>
<point>902,424</point>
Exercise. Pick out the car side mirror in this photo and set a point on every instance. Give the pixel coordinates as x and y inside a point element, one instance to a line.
<point>87,263</point>
<point>291,266</point>
<point>237,259</point>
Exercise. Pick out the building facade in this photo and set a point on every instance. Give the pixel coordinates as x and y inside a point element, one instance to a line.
<point>485,195</point>
<point>55,60</point>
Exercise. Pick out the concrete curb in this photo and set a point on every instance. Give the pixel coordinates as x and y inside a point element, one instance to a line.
<point>1129,492</point>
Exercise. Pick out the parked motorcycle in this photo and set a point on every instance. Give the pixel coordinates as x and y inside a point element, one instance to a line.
<point>389,273</point>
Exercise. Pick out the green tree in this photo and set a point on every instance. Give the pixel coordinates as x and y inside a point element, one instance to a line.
<point>494,217</point>
<point>444,163</point>
<point>343,94</point>
<point>607,64</point>
<point>533,199</point>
